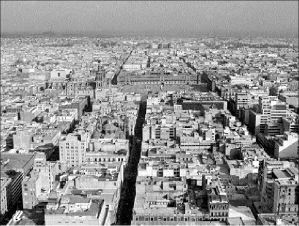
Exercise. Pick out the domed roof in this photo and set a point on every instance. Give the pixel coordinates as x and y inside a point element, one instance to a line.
<point>109,127</point>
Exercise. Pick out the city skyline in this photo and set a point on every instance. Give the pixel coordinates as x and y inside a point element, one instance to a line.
<point>152,18</point>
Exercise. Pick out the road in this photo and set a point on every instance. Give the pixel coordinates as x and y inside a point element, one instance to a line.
<point>128,192</point>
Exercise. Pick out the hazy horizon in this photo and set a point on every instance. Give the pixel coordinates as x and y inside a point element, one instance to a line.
<point>152,18</point>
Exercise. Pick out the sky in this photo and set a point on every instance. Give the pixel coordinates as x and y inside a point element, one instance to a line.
<point>156,17</point>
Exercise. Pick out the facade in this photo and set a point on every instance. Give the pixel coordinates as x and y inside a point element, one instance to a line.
<point>268,117</point>
<point>156,78</point>
<point>37,185</point>
<point>218,204</point>
<point>276,178</point>
<point>242,100</point>
<point>72,149</point>
<point>16,167</point>
<point>286,195</point>
<point>5,181</point>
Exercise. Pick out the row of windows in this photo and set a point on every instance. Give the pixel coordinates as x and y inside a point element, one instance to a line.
<point>82,143</point>
<point>158,82</point>
<point>219,207</point>
<point>73,147</point>
<point>219,214</point>
<point>159,218</point>
<point>104,159</point>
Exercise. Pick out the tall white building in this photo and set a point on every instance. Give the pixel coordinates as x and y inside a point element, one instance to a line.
<point>72,149</point>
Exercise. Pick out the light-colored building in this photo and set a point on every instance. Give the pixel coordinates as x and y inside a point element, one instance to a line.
<point>37,185</point>
<point>72,149</point>
<point>75,210</point>
<point>286,146</point>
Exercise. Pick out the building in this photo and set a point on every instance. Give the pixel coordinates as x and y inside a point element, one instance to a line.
<point>72,149</point>
<point>15,167</point>
<point>240,101</point>
<point>286,146</point>
<point>268,117</point>
<point>5,181</point>
<point>22,139</point>
<point>37,185</point>
<point>285,192</point>
<point>291,124</point>
<point>218,204</point>
<point>107,150</point>
<point>275,219</point>
<point>125,78</point>
<point>62,74</point>
<point>276,178</point>
<point>75,210</point>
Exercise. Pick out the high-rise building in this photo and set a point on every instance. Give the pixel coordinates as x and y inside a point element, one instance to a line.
<point>270,112</point>
<point>72,149</point>
<point>271,106</point>
<point>241,101</point>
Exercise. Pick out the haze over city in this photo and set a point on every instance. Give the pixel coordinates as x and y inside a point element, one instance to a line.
<point>277,18</point>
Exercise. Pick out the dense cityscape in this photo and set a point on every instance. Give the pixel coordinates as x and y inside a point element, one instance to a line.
<point>142,131</point>
<point>148,130</point>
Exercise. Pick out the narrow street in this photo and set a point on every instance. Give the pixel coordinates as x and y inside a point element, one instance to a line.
<point>114,80</point>
<point>128,192</point>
